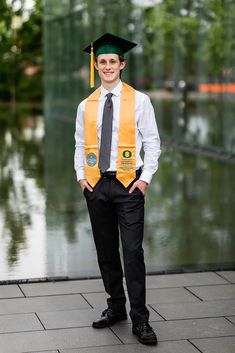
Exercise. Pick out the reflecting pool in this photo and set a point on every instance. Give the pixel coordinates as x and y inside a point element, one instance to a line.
<point>44,225</point>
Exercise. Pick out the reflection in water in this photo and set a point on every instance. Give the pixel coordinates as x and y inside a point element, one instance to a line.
<point>70,248</point>
<point>193,216</point>
<point>22,204</point>
<point>205,123</point>
<point>44,225</point>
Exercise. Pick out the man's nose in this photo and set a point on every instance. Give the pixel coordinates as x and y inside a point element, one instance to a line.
<point>108,65</point>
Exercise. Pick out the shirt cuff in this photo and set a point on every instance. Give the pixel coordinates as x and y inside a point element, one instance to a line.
<point>146,176</point>
<point>80,175</point>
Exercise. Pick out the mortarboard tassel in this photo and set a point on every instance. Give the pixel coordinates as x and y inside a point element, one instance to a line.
<point>92,73</point>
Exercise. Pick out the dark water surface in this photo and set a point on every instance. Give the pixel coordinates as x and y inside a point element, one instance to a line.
<point>44,225</point>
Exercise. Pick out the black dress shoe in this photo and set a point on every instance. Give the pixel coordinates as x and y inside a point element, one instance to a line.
<point>145,333</point>
<point>108,318</point>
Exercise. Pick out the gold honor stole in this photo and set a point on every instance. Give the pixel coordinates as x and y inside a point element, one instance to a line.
<point>126,163</point>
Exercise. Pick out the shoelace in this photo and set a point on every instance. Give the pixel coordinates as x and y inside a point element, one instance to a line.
<point>145,327</point>
<point>107,311</point>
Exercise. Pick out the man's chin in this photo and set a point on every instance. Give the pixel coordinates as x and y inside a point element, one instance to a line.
<point>110,79</point>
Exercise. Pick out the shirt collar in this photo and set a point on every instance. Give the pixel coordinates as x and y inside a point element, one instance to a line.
<point>116,91</point>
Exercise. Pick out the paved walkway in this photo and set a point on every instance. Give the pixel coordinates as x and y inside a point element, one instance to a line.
<point>191,313</point>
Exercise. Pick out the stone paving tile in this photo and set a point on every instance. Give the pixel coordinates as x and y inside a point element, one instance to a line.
<point>195,310</point>
<point>68,318</point>
<point>50,303</point>
<point>42,352</point>
<point>169,295</point>
<point>184,279</point>
<point>228,275</point>
<point>56,339</point>
<point>19,322</point>
<point>10,291</point>
<point>162,347</point>
<point>78,318</point>
<point>232,319</point>
<point>224,291</point>
<point>64,313</point>
<point>65,287</point>
<point>97,300</point>
<point>216,345</point>
<point>180,329</point>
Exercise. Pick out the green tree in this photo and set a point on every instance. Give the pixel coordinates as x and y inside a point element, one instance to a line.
<point>217,49</point>
<point>20,51</point>
<point>186,37</point>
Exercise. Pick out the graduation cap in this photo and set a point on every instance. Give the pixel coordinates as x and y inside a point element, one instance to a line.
<point>107,44</point>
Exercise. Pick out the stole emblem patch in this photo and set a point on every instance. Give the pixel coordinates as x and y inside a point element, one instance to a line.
<point>126,154</point>
<point>127,160</point>
<point>91,159</point>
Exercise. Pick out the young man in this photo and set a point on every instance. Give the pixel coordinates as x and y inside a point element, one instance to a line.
<point>112,125</point>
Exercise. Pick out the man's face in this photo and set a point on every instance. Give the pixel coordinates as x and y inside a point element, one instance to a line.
<point>109,67</point>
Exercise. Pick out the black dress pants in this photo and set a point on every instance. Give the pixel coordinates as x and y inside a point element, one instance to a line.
<point>112,208</point>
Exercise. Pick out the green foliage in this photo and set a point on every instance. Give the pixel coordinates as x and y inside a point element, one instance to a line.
<point>191,35</point>
<point>20,52</point>
<point>183,39</point>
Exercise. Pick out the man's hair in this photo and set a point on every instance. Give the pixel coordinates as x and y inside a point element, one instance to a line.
<point>121,58</point>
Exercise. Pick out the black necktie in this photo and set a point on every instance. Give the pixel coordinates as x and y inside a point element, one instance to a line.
<point>106,134</point>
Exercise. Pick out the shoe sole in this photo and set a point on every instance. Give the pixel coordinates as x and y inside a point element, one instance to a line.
<point>110,324</point>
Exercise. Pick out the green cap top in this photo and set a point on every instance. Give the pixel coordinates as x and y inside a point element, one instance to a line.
<point>110,44</point>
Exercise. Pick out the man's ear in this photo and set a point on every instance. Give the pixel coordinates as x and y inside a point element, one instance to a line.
<point>122,65</point>
<point>96,66</point>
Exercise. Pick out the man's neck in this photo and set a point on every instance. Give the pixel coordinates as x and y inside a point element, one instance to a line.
<point>111,86</point>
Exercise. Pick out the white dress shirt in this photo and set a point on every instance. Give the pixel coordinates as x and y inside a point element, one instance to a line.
<point>146,132</point>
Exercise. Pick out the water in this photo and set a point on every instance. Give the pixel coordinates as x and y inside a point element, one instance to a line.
<point>44,225</point>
